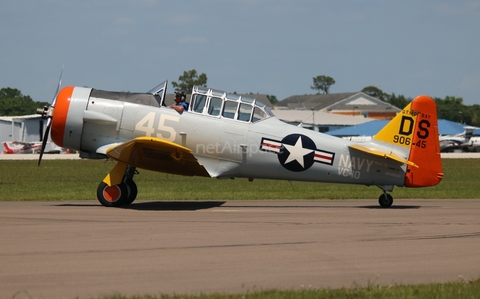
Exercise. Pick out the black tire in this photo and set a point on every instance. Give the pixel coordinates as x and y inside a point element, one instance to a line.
<point>131,191</point>
<point>385,200</point>
<point>113,196</point>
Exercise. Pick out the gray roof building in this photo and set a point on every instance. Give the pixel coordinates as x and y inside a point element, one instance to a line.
<point>349,103</point>
<point>317,120</point>
<point>25,128</point>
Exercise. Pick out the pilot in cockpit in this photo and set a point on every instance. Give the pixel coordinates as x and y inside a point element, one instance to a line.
<point>180,104</point>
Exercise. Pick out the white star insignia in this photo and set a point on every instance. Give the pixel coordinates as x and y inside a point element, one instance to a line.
<point>297,152</point>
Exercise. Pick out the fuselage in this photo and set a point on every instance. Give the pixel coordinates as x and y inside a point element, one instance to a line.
<point>230,136</point>
<point>225,135</point>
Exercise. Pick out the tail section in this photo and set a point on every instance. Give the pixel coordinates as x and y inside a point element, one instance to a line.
<point>7,150</point>
<point>415,132</point>
<point>425,151</point>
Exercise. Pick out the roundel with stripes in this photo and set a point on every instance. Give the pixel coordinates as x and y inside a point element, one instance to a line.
<point>297,152</point>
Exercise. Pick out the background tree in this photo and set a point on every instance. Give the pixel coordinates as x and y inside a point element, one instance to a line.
<point>188,80</point>
<point>452,108</point>
<point>322,83</point>
<point>273,99</point>
<point>399,101</point>
<point>375,92</point>
<point>474,112</point>
<point>13,102</point>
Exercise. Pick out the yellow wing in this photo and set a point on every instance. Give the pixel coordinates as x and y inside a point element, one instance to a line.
<point>158,155</point>
<point>382,153</point>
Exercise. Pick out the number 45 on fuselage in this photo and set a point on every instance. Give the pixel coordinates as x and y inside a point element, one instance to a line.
<point>223,135</point>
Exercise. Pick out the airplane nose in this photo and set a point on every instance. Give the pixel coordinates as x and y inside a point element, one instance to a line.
<point>60,114</point>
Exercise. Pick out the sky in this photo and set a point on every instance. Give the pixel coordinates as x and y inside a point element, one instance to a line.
<point>273,47</point>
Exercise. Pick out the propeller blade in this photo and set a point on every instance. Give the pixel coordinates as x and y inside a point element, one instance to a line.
<point>58,88</point>
<point>48,113</point>
<point>44,141</point>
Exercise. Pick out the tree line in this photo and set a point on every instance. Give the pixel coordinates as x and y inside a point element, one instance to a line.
<point>449,108</point>
<point>13,102</point>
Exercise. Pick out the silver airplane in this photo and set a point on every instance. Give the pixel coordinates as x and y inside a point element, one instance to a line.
<point>224,135</point>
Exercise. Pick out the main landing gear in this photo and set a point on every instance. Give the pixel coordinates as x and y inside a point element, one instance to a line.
<point>121,194</point>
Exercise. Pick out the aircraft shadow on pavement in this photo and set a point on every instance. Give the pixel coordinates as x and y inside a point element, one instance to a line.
<point>202,205</point>
<point>399,207</point>
<point>390,208</point>
<point>173,205</point>
<point>159,205</point>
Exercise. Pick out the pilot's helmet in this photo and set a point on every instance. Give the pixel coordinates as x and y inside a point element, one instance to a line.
<point>181,94</point>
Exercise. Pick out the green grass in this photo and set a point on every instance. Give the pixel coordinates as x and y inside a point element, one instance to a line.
<point>78,180</point>
<point>463,290</point>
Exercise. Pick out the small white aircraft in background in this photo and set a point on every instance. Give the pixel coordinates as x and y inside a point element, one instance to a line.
<point>17,147</point>
<point>223,135</point>
<point>21,147</point>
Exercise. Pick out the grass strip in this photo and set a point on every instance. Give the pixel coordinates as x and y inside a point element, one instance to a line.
<point>463,290</point>
<point>57,180</point>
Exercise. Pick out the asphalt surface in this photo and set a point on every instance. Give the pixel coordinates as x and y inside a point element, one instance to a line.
<point>70,249</point>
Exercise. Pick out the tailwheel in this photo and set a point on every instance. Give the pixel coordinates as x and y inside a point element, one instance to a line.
<point>385,200</point>
<point>112,196</point>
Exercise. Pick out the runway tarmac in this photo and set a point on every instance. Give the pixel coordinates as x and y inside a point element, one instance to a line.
<point>70,249</point>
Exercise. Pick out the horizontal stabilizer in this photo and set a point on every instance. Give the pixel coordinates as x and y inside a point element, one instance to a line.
<point>380,152</point>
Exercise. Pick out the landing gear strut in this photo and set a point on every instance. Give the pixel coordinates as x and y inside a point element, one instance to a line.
<point>121,194</point>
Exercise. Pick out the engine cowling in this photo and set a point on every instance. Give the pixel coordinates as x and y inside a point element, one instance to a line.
<point>67,121</point>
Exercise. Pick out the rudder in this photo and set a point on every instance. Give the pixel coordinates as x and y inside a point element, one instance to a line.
<point>425,150</point>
